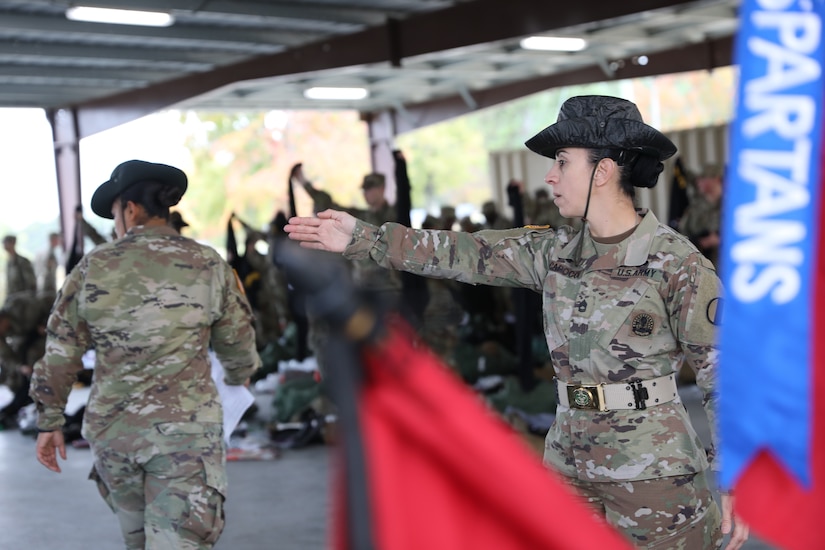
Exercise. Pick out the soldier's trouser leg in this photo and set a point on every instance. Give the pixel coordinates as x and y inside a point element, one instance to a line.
<point>672,512</point>
<point>121,485</point>
<point>166,485</point>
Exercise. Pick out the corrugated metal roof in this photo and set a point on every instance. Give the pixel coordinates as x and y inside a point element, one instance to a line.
<point>248,54</point>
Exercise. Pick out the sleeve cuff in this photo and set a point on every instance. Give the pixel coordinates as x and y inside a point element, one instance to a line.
<point>50,420</point>
<point>364,237</point>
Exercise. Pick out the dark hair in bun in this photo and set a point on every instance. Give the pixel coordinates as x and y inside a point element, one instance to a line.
<point>155,197</point>
<point>636,169</point>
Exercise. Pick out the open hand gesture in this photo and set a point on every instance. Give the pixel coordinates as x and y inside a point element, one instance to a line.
<point>330,231</point>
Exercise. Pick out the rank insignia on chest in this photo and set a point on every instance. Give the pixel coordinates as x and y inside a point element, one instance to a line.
<point>642,324</point>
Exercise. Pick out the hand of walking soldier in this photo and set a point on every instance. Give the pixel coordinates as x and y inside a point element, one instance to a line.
<point>48,445</point>
<point>733,524</point>
<point>330,231</point>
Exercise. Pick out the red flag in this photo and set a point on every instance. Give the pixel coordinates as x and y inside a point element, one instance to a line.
<point>444,473</point>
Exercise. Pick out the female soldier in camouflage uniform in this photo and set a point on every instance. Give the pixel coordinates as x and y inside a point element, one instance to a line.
<point>626,301</point>
<point>149,304</point>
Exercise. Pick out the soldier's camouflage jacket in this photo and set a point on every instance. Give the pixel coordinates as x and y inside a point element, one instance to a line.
<point>633,313</point>
<point>149,304</point>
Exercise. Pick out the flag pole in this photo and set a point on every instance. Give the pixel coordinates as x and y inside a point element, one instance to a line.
<point>319,283</point>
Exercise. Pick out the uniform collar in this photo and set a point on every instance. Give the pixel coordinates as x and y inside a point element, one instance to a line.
<point>151,230</point>
<point>635,249</point>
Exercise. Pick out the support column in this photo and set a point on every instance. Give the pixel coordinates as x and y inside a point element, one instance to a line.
<point>67,164</point>
<point>381,127</point>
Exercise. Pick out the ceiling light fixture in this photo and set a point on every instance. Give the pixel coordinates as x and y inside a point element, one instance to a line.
<point>321,92</point>
<point>120,17</point>
<point>554,43</point>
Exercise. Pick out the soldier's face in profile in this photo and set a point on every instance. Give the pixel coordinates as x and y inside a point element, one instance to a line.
<point>569,178</point>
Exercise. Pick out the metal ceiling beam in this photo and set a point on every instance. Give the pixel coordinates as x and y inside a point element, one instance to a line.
<point>72,55</point>
<point>417,35</point>
<point>37,97</point>
<point>252,40</point>
<point>705,56</point>
<point>330,13</point>
<point>127,76</point>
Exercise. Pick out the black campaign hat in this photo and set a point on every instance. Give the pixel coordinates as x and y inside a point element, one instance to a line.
<point>601,122</point>
<point>129,173</point>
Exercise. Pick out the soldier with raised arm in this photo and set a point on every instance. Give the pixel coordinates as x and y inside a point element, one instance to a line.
<point>626,300</point>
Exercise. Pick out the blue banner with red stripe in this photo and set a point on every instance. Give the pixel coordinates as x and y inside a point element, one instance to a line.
<point>770,239</point>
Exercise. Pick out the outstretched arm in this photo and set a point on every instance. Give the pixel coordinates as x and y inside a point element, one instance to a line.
<point>330,231</point>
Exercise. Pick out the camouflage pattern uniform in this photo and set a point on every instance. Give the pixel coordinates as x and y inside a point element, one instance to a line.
<point>47,266</point>
<point>19,275</point>
<point>443,314</point>
<point>268,317</point>
<point>701,218</point>
<point>150,304</point>
<point>635,311</point>
<point>21,344</point>
<point>28,313</point>
<point>273,300</point>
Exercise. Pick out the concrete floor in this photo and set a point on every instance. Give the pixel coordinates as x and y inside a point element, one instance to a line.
<point>281,504</point>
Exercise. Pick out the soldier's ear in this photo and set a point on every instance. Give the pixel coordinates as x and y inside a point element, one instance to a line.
<point>132,209</point>
<point>605,170</point>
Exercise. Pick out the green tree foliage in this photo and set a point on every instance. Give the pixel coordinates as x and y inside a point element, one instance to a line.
<point>447,164</point>
<point>241,164</point>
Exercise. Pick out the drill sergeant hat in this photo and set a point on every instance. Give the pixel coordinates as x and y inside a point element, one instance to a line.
<point>603,122</point>
<point>130,173</point>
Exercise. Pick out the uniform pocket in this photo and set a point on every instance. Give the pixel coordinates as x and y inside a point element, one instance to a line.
<point>181,428</point>
<point>204,515</point>
<point>553,332</point>
<point>182,434</point>
<point>102,488</point>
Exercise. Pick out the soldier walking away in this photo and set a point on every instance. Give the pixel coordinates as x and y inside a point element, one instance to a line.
<point>150,303</point>
<point>626,300</point>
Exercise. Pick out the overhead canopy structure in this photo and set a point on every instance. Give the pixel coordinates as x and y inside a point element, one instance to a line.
<point>419,61</point>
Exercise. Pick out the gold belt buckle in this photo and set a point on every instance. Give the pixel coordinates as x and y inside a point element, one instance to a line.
<point>586,397</point>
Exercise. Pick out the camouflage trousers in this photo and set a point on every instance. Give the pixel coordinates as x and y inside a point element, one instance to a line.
<point>676,513</point>
<point>166,485</point>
